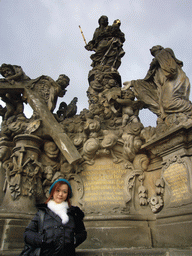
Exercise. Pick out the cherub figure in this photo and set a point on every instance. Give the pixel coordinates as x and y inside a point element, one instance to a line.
<point>129,111</point>
<point>49,172</point>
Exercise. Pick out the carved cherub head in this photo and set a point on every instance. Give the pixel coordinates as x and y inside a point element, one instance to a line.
<point>128,94</point>
<point>51,149</point>
<point>111,83</point>
<point>49,172</point>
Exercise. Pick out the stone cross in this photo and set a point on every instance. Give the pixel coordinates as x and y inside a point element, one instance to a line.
<point>54,129</point>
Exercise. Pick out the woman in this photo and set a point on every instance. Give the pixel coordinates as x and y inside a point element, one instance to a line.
<point>63,227</point>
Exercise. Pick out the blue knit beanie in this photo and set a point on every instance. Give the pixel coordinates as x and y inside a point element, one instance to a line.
<point>64,180</point>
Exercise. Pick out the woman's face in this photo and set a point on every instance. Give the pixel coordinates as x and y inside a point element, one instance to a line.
<point>60,194</point>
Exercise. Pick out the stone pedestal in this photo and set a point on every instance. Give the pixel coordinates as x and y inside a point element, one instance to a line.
<point>112,221</point>
<point>173,225</point>
<point>12,227</point>
<point>26,150</point>
<point>117,232</point>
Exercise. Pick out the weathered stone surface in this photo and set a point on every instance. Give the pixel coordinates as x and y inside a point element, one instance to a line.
<point>100,181</point>
<point>123,251</point>
<point>53,129</point>
<point>165,88</point>
<point>173,230</point>
<point>133,182</point>
<point>116,233</point>
<point>12,228</point>
<point>135,252</point>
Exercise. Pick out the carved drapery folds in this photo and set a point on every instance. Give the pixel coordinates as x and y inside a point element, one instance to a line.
<point>36,151</point>
<point>165,90</point>
<point>107,43</point>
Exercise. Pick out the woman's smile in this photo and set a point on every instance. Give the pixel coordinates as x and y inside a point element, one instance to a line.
<point>60,195</point>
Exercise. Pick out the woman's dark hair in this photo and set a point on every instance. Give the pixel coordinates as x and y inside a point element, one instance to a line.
<point>58,185</point>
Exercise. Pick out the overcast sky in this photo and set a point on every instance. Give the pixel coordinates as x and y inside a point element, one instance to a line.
<point>43,37</point>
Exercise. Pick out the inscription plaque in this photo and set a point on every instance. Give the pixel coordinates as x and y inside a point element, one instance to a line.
<point>176,177</point>
<point>103,185</point>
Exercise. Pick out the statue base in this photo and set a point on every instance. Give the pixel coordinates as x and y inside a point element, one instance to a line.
<point>117,235</point>
<point>12,227</point>
<point>136,232</point>
<point>116,232</point>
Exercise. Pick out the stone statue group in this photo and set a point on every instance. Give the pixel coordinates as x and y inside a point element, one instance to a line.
<point>112,119</point>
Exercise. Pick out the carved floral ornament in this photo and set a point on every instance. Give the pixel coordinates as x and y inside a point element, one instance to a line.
<point>109,128</point>
<point>138,169</point>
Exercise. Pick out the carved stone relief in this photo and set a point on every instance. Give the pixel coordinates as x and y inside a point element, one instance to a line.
<point>176,177</point>
<point>105,150</point>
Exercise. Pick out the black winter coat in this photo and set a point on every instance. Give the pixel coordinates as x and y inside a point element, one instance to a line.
<point>58,239</point>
